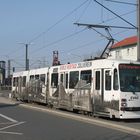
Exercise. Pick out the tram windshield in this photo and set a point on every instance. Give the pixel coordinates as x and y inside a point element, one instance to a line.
<point>129,77</point>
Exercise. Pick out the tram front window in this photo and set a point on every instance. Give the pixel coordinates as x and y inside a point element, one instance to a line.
<point>129,77</point>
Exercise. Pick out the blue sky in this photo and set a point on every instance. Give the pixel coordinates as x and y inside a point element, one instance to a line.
<point>28,21</point>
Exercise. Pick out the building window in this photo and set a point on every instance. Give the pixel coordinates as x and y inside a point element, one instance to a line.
<point>118,54</point>
<point>128,51</point>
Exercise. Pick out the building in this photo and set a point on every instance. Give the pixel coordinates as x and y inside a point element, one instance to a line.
<point>2,72</point>
<point>125,49</point>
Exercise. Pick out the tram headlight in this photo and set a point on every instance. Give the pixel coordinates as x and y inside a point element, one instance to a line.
<point>123,104</point>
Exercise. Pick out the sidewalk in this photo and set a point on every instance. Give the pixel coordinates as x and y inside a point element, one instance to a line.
<point>4,98</point>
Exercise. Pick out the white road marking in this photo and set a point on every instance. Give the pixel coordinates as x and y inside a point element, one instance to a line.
<point>11,125</point>
<point>13,133</point>
<point>8,118</point>
<point>6,123</point>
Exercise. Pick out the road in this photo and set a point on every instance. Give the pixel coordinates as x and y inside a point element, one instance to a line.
<point>25,122</point>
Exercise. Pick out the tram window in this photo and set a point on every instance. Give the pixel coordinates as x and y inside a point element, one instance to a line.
<point>36,77</point>
<point>74,77</point>
<point>42,78</point>
<point>14,81</point>
<point>61,78</point>
<point>54,79</point>
<point>97,83</point>
<point>31,77</point>
<point>115,81</point>
<point>66,80</point>
<point>86,75</point>
<point>24,81</point>
<point>107,80</point>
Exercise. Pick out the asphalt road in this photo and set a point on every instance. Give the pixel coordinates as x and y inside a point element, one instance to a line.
<point>17,122</point>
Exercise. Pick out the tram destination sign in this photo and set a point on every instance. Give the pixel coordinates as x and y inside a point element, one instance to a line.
<point>129,66</point>
<point>76,65</point>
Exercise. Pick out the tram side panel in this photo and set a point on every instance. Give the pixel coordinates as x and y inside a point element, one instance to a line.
<point>19,81</point>
<point>70,86</point>
<point>30,85</point>
<point>38,85</point>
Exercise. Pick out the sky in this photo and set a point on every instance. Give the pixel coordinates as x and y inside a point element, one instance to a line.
<point>48,25</point>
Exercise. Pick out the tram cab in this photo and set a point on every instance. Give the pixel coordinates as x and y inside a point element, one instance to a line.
<point>116,89</point>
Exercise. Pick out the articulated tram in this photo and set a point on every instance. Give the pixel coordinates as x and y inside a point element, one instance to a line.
<point>101,87</point>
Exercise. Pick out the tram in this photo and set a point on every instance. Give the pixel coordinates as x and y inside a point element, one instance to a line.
<point>101,87</point>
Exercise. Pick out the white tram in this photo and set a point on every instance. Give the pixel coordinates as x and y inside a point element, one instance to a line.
<point>101,87</point>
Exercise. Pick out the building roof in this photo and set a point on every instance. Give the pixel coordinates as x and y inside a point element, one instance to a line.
<point>125,42</point>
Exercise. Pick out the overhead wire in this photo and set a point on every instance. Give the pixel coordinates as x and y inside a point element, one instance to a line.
<point>60,20</point>
<point>110,19</point>
<point>84,11</point>
<point>59,40</point>
<point>115,14</point>
<point>91,43</point>
<point>128,3</point>
<point>68,36</point>
<point>52,26</point>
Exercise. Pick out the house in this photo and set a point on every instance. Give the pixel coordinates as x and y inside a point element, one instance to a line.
<point>125,49</point>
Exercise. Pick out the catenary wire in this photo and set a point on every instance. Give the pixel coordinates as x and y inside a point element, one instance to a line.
<point>60,20</point>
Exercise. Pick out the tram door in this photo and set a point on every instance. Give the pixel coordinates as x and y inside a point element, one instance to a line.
<point>108,82</point>
<point>64,79</point>
<point>20,85</point>
<point>53,81</point>
<point>102,90</point>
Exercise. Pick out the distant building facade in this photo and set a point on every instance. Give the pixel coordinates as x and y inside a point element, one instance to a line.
<point>2,72</point>
<point>125,49</point>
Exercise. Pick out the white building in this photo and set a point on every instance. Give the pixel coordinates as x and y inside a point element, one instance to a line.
<point>125,49</point>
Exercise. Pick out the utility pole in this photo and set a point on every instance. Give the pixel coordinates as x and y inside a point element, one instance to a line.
<point>138,30</point>
<point>26,58</point>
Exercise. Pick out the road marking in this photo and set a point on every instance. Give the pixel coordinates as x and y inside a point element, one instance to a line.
<point>6,123</point>
<point>13,133</point>
<point>11,125</point>
<point>8,118</point>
